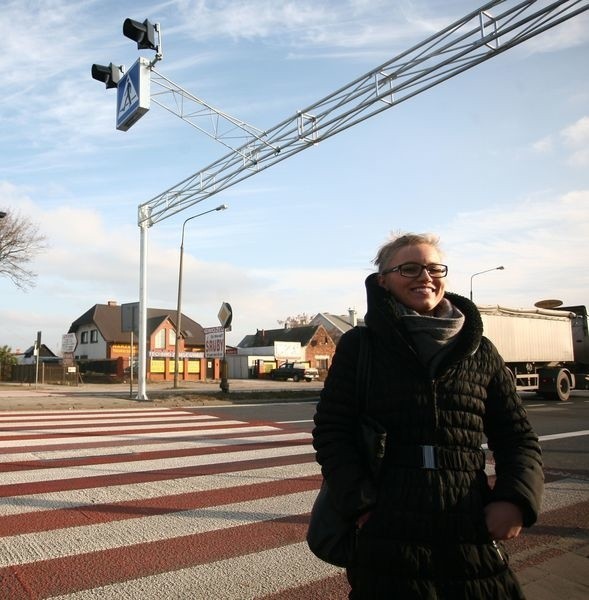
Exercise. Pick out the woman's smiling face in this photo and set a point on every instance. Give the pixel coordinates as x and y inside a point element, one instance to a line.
<point>422,293</point>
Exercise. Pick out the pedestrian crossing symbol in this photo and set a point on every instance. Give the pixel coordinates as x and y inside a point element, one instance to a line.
<point>130,96</point>
<point>133,95</point>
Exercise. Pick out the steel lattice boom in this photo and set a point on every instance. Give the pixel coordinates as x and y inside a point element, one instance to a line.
<point>466,43</point>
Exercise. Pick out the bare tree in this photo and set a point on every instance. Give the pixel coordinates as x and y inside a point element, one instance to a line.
<point>20,241</point>
<point>298,321</point>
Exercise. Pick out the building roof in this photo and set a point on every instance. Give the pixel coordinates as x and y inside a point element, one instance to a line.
<point>107,319</point>
<point>267,337</point>
<point>341,322</point>
<point>44,351</point>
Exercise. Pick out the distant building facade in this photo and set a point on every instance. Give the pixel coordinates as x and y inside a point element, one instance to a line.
<point>309,344</point>
<point>100,336</point>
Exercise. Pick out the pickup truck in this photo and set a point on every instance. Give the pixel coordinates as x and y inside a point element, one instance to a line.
<point>294,371</point>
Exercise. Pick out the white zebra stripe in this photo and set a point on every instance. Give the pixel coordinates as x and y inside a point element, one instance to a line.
<point>30,503</point>
<point>58,543</point>
<point>240,578</point>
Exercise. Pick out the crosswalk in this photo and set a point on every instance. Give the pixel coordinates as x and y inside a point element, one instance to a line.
<point>157,504</point>
<point>177,504</point>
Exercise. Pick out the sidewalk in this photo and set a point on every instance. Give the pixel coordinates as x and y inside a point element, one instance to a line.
<point>557,569</point>
<point>96,396</point>
<point>564,577</point>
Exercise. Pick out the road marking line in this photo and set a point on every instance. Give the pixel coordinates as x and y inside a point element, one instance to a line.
<point>558,436</point>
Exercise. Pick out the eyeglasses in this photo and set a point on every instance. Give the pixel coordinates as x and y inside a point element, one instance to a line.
<point>413,270</point>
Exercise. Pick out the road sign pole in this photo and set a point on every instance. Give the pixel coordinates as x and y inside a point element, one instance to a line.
<point>224,381</point>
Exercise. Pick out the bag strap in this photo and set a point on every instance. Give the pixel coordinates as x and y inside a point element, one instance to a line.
<point>363,367</point>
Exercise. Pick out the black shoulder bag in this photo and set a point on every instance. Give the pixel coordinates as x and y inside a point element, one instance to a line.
<point>330,536</point>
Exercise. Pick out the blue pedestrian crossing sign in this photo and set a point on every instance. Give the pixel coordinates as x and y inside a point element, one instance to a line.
<point>133,94</point>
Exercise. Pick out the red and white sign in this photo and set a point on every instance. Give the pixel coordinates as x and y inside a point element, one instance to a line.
<point>214,342</point>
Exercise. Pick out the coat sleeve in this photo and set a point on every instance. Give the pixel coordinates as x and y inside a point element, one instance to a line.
<point>335,433</point>
<point>515,446</point>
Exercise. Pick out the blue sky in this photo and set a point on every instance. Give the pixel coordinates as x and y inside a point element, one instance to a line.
<point>495,161</point>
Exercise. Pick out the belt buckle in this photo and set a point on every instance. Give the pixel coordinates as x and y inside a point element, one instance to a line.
<point>429,457</point>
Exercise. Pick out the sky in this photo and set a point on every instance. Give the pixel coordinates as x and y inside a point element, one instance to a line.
<point>495,161</point>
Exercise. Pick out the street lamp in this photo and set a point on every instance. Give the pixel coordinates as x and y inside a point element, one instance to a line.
<point>179,306</point>
<point>481,272</point>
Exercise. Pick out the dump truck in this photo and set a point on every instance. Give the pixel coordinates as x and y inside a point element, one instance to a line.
<point>546,350</point>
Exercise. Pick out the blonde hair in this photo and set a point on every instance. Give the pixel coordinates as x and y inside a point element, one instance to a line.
<point>400,240</point>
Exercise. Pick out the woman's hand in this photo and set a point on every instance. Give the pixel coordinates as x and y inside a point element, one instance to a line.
<point>504,520</point>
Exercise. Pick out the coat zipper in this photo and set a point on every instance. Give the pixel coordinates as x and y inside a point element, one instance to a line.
<point>498,550</point>
<point>434,387</point>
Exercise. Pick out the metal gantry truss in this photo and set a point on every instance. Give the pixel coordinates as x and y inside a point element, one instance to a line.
<point>466,43</point>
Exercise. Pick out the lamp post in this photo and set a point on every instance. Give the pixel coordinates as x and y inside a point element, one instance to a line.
<point>179,305</point>
<point>481,272</point>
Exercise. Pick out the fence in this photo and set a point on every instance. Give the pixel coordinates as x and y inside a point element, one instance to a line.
<point>48,373</point>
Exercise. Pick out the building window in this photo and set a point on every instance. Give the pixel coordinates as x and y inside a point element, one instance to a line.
<point>160,339</point>
<point>322,364</point>
<point>157,365</point>
<point>84,338</point>
<point>93,336</point>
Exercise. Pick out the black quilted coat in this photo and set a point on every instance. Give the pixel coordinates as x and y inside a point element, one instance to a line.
<point>426,537</point>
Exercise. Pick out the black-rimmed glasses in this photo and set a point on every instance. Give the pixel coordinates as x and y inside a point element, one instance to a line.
<point>411,269</point>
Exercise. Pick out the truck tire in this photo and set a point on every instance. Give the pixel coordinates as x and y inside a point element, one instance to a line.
<point>563,386</point>
<point>295,377</point>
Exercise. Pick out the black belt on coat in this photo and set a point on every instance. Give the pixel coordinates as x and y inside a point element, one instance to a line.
<point>435,457</point>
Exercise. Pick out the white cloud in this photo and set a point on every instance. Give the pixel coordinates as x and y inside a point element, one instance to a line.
<point>576,138</point>
<point>572,142</point>
<point>541,241</point>
<point>305,24</point>
<point>568,34</point>
<point>544,145</point>
<point>577,134</point>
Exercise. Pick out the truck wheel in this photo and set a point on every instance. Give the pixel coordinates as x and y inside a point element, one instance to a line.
<point>295,377</point>
<point>563,387</point>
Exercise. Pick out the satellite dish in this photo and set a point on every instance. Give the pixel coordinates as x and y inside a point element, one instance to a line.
<point>548,303</point>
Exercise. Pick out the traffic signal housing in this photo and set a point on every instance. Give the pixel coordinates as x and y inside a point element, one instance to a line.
<point>142,33</point>
<point>110,74</point>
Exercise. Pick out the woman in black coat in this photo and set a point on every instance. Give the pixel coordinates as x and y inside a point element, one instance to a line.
<point>430,526</point>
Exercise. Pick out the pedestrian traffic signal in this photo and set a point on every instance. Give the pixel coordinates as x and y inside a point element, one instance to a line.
<point>142,33</point>
<point>110,75</point>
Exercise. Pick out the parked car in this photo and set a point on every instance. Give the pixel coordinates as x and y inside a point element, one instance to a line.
<point>294,371</point>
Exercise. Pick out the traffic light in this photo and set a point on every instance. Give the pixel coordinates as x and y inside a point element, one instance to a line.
<point>109,75</point>
<point>142,33</point>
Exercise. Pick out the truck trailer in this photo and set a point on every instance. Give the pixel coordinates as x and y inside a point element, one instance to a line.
<point>546,350</point>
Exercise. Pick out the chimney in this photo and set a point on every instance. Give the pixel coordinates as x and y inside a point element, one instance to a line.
<point>111,303</point>
<point>353,319</point>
